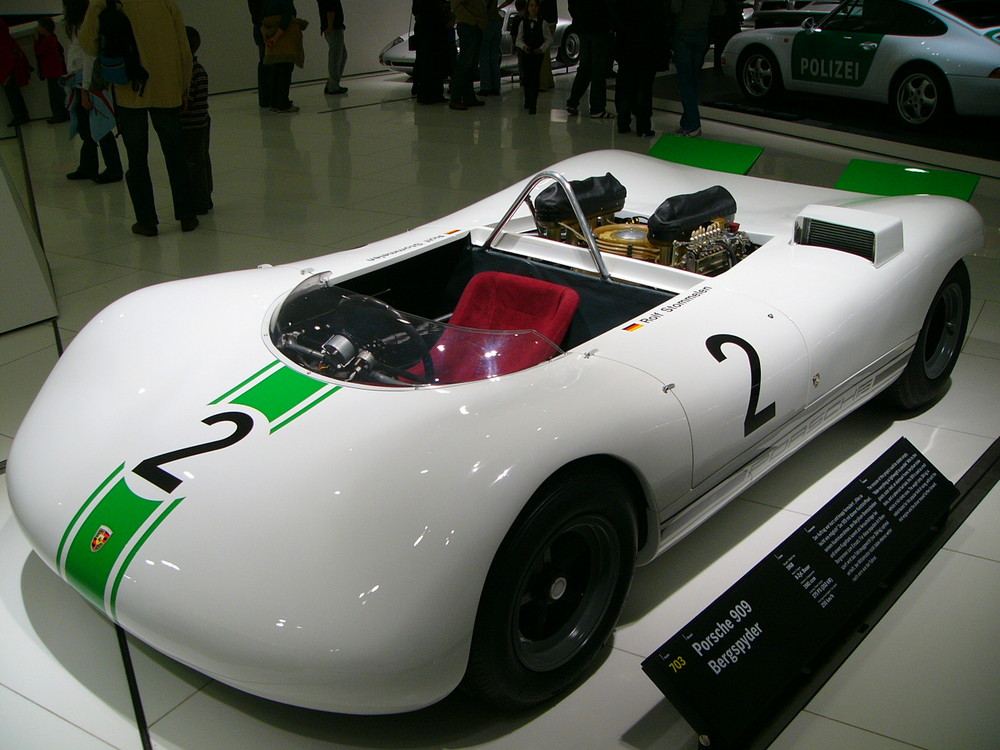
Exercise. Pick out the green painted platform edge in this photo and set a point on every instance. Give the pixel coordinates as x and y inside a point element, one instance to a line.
<point>735,158</point>
<point>882,178</point>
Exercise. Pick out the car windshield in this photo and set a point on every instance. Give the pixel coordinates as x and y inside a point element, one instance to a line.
<point>357,338</point>
<point>983,14</point>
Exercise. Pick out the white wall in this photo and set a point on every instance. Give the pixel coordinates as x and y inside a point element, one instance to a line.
<point>230,57</point>
<point>227,49</point>
<point>30,6</point>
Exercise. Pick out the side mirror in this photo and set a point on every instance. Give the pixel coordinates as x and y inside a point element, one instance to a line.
<point>809,24</point>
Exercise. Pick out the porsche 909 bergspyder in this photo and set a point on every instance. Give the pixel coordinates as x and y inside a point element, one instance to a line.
<point>357,482</point>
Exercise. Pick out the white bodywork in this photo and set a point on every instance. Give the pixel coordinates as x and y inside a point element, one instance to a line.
<point>864,64</point>
<point>333,556</point>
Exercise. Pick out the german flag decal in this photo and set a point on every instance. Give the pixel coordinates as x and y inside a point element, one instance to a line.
<point>633,327</point>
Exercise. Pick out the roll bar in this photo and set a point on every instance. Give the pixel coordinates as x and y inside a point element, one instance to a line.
<point>577,211</point>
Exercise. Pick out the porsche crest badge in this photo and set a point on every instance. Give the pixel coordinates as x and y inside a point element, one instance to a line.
<point>100,538</point>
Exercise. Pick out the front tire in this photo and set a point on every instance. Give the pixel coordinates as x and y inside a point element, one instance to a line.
<point>938,344</point>
<point>554,591</point>
<point>758,75</point>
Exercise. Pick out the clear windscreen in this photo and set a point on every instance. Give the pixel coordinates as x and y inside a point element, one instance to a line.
<point>355,338</point>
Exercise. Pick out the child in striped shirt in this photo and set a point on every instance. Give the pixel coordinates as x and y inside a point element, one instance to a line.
<point>195,125</point>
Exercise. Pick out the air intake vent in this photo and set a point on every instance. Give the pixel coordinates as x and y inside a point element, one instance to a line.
<point>876,237</point>
<point>838,237</point>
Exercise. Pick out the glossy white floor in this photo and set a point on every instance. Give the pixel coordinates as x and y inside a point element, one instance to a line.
<point>373,163</point>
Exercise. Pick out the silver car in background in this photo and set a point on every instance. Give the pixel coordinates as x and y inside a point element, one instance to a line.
<point>398,55</point>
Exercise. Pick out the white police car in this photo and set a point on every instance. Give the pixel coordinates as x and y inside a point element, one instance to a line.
<point>925,58</point>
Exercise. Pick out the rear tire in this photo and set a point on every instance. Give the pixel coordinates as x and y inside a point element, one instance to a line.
<point>569,49</point>
<point>938,344</point>
<point>920,97</point>
<point>554,591</point>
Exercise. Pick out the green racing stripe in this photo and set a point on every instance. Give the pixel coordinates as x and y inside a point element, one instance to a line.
<point>282,392</point>
<point>114,522</point>
<point>116,517</point>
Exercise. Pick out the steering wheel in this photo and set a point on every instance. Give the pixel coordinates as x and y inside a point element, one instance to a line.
<point>372,322</point>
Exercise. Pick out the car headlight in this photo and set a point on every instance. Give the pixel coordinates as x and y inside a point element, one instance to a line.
<point>390,45</point>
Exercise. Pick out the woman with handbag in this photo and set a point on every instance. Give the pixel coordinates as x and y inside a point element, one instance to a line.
<point>283,49</point>
<point>80,66</point>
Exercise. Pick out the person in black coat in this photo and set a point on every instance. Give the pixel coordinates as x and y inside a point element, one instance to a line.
<point>264,72</point>
<point>640,39</point>
<point>592,21</point>
<point>549,12</point>
<point>435,48</point>
<point>724,26</point>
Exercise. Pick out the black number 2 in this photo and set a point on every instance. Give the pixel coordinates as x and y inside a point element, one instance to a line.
<point>754,418</point>
<point>151,468</point>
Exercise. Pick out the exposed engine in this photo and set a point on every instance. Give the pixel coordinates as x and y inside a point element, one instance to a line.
<point>599,197</point>
<point>695,232</point>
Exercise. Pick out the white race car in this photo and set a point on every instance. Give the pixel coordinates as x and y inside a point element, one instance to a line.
<point>925,58</point>
<point>356,482</point>
<point>398,55</point>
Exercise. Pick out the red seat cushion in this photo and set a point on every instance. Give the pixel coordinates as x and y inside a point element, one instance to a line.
<point>499,301</point>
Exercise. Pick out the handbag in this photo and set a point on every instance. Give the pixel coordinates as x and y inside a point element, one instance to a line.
<point>288,48</point>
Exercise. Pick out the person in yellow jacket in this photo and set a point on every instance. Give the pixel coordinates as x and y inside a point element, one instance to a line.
<point>164,52</point>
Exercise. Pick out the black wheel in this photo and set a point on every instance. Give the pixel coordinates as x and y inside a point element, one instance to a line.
<point>938,344</point>
<point>569,49</point>
<point>920,97</point>
<point>758,75</point>
<point>554,592</point>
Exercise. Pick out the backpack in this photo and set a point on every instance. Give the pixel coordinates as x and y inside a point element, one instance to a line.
<point>118,59</point>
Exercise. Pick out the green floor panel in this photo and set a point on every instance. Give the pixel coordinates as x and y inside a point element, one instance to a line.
<point>881,178</point>
<point>736,158</point>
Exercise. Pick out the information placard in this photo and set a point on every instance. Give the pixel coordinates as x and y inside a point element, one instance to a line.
<point>730,667</point>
